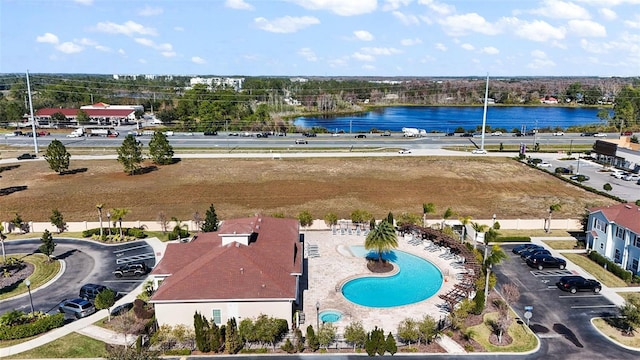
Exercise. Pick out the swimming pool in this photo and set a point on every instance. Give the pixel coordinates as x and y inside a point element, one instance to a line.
<point>417,280</point>
<point>330,316</point>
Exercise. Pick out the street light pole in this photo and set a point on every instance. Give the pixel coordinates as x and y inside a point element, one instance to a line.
<point>28,283</point>
<point>318,316</point>
<point>493,221</point>
<point>109,222</point>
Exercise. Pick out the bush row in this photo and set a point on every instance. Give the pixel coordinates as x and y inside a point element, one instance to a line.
<point>36,327</point>
<point>513,239</point>
<point>135,232</point>
<point>612,267</point>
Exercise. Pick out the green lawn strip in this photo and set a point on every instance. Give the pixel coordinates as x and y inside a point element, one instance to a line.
<point>522,339</point>
<point>615,334</point>
<point>7,343</point>
<point>629,295</point>
<point>596,270</point>
<point>532,233</point>
<point>561,244</point>
<point>43,272</point>
<point>73,345</point>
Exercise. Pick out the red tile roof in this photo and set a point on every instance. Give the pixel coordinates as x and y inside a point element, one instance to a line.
<point>625,215</point>
<point>204,269</point>
<point>90,112</point>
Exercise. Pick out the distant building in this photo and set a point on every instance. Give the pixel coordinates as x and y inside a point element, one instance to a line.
<point>104,106</point>
<point>614,232</point>
<point>96,116</point>
<point>215,82</point>
<point>548,100</point>
<point>620,153</point>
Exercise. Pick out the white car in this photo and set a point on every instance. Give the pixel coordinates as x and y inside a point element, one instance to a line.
<point>600,135</point>
<point>544,164</point>
<point>631,177</point>
<point>558,133</point>
<point>479,151</point>
<point>496,133</point>
<point>404,151</point>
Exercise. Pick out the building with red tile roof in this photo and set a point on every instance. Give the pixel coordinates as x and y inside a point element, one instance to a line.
<point>614,232</point>
<point>250,266</point>
<point>96,115</point>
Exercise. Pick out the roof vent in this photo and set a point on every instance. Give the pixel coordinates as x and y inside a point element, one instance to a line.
<point>628,206</point>
<point>264,286</point>
<point>241,270</point>
<point>259,219</point>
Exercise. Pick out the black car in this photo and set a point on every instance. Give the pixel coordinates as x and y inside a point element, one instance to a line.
<point>520,248</point>
<point>26,156</point>
<point>530,250</point>
<point>574,284</point>
<point>526,255</point>
<point>579,178</point>
<point>90,291</point>
<point>361,136</point>
<point>466,135</point>
<point>210,133</point>
<point>309,134</point>
<point>546,261</point>
<point>121,309</point>
<point>133,269</point>
<point>562,170</point>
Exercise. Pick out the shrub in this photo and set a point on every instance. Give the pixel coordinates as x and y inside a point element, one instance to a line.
<point>133,232</point>
<point>39,326</point>
<point>137,233</point>
<point>513,238</point>
<point>479,303</point>
<point>612,267</point>
<point>178,352</point>
<point>288,347</point>
<point>254,351</point>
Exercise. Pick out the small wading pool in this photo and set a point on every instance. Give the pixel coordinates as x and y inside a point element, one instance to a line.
<point>330,316</point>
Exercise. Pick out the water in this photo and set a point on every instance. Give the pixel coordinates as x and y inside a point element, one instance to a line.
<point>447,119</point>
<point>330,316</point>
<point>416,281</point>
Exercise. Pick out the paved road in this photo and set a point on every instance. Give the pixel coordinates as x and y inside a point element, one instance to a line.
<point>86,262</point>
<point>560,319</point>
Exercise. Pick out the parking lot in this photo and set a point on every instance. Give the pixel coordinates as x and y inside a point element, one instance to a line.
<point>559,318</point>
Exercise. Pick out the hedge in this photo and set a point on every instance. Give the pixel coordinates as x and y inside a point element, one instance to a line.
<point>513,239</point>
<point>135,232</point>
<point>612,267</point>
<point>39,326</point>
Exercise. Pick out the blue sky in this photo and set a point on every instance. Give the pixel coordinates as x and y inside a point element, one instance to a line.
<point>322,37</point>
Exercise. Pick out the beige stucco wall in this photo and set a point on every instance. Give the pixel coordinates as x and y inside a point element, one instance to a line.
<point>182,313</point>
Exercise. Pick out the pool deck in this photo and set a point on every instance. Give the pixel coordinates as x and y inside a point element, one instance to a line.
<point>335,265</point>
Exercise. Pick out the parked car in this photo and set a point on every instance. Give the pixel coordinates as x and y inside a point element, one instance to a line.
<point>361,136</point>
<point>404,151</point>
<point>579,178</point>
<point>627,133</point>
<point>536,251</point>
<point>631,177</point>
<point>121,309</point>
<point>563,170</point>
<point>546,261</point>
<point>479,151</point>
<point>619,175</point>
<point>574,284</point>
<point>77,307</point>
<point>26,156</point>
<point>90,291</point>
<point>301,141</point>
<point>520,248</point>
<point>544,164</point>
<point>132,269</point>
<point>558,133</point>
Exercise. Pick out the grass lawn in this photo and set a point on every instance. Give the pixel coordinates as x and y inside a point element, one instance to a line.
<point>561,244</point>
<point>7,343</point>
<point>43,272</point>
<point>73,345</point>
<point>532,233</point>
<point>243,187</point>
<point>630,295</point>
<point>615,334</point>
<point>596,270</point>
<point>523,338</point>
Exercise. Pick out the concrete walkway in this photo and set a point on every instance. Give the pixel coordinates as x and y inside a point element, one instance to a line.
<point>449,345</point>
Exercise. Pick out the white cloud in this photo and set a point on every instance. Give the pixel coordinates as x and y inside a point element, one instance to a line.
<point>368,67</point>
<point>129,28</point>
<point>308,54</point>
<point>468,46</point>
<point>238,5</point>
<point>634,24</point>
<point>490,50</point>
<point>168,53</point>
<point>150,11</point>
<point>178,28</point>
<point>538,30</point>
<point>48,38</point>
<point>68,47</point>
<point>340,7</point>
<point>86,42</point>
<point>538,54</point>
<point>362,57</point>
<point>395,4</point>
<point>410,42</point>
<point>84,2</point>
<point>121,52</point>
<point>287,24</point>
<point>165,49</point>
<point>457,25</point>
<point>439,8</point>
<point>587,28</point>
<point>380,50</point>
<point>441,47</point>
<point>406,19</point>
<point>595,47</point>
<point>561,10</point>
<point>608,14</point>
<point>103,48</point>
<point>538,64</point>
<point>145,42</point>
<point>363,35</point>
<point>339,62</point>
<point>198,60</point>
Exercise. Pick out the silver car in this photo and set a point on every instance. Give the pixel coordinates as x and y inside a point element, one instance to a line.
<point>77,307</point>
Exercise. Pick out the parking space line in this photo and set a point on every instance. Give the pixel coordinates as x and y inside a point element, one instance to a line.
<point>124,281</point>
<point>594,306</point>
<point>134,258</point>
<point>579,296</point>
<point>130,248</point>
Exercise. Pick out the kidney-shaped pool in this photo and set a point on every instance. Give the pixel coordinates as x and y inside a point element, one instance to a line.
<point>417,280</point>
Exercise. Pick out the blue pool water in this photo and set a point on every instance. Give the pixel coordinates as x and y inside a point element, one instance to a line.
<point>330,316</point>
<point>417,280</point>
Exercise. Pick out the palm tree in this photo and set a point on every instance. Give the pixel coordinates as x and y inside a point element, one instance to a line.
<point>490,259</point>
<point>382,238</point>
<point>552,208</point>
<point>478,228</point>
<point>447,214</point>
<point>2,237</point>
<point>464,220</point>
<point>99,207</point>
<point>427,208</point>
<point>118,215</point>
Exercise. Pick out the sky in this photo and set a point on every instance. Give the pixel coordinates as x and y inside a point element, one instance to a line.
<point>322,37</point>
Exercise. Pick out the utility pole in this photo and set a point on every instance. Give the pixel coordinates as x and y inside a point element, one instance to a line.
<point>33,119</point>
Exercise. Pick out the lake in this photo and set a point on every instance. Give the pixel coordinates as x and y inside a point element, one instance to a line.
<point>448,118</point>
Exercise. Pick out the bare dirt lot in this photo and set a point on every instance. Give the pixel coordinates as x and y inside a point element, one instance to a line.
<point>474,187</point>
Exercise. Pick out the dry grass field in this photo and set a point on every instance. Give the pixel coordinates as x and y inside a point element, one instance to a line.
<point>477,187</point>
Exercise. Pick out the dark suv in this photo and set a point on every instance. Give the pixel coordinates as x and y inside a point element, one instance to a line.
<point>90,291</point>
<point>545,261</point>
<point>133,269</point>
<point>574,284</point>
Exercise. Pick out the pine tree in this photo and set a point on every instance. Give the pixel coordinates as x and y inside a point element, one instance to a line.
<point>160,151</point>
<point>312,339</point>
<point>48,246</point>
<point>57,220</point>
<point>210,221</point>
<point>215,337</point>
<point>390,344</point>
<point>233,342</point>
<point>130,154</point>
<point>57,156</point>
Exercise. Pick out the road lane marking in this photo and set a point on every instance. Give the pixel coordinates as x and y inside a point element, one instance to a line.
<point>130,248</point>
<point>594,306</point>
<point>579,296</point>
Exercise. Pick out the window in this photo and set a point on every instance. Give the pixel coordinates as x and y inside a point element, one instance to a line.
<point>600,225</point>
<point>634,265</point>
<point>620,232</point>
<point>616,257</point>
<point>217,317</point>
<point>635,239</point>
